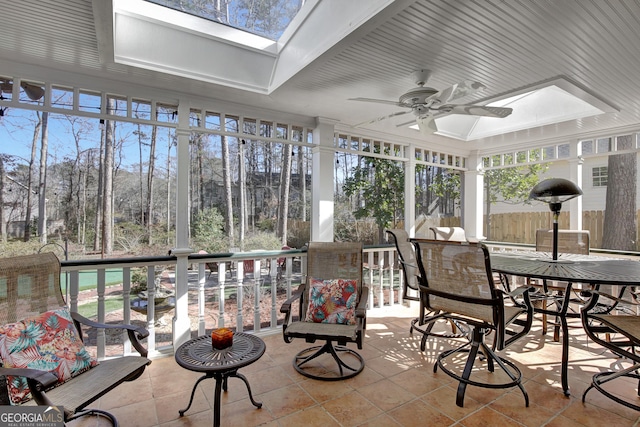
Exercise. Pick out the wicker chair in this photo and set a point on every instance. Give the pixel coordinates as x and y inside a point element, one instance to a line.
<point>457,282</point>
<point>327,261</point>
<point>32,284</point>
<point>619,332</point>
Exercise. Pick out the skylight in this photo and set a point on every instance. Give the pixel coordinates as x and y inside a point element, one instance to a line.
<point>264,18</point>
<point>549,102</point>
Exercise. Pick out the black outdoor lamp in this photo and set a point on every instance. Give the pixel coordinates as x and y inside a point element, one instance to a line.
<point>555,191</point>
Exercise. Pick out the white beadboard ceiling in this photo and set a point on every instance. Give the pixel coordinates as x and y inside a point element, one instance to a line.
<point>506,45</point>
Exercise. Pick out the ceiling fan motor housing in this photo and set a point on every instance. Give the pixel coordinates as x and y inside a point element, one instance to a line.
<point>418,96</point>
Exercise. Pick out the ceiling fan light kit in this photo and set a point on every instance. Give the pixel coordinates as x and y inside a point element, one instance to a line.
<point>427,103</point>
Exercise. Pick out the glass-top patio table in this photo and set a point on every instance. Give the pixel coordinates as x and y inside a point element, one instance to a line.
<point>569,269</point>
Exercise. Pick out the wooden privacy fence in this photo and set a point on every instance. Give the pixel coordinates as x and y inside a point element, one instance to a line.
<point>521,227</point>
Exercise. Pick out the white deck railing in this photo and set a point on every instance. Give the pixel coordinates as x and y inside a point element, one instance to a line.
<point>238,290</point>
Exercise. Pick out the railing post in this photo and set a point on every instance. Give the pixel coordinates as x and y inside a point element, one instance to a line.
<point>222,295</point>
<point>289,276</point>
<point>126,307</point>
<point>389,255</point>
<point>273,268</point>
<point>380,277</point>
<point>256,293</point>
<point>101,341</point>
<point>201,282</point>
<point>74,288</point>
<point>240,296</point>
<point>181,322</point>
<point>151,308</point>
<point>370,264</point>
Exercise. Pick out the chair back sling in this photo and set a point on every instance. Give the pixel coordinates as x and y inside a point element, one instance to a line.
<point>407,260</point>
<point>29,285</point>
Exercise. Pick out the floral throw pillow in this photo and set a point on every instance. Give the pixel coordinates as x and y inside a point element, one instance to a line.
<point>332,301</point>
<point>49,342</point>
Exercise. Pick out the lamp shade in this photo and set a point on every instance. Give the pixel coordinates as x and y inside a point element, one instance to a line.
<point>554,190</point>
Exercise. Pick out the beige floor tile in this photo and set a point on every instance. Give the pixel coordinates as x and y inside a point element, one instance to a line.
<point>287,400</point>
<point>351,409</point>
<point>315,416</point>
<point>396,388</point>
<point>386,394</point>
<point>417,412</point>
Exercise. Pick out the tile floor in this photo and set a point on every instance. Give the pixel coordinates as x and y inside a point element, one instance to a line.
<point>396,388</point>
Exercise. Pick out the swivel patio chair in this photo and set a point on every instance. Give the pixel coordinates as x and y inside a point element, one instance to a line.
<point>618,331</point>
<point>332,306</point>
<point>43,360</point>
<point>457,282</point>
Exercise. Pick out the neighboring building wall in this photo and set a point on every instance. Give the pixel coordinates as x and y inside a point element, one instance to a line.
<point>593,199</point>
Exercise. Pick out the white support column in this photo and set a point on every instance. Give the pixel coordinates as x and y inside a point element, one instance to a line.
<point>473,198</point>
<point>322,197</point>
<point>181,323</point>
<point>410,191</point>
<point>575,175</point>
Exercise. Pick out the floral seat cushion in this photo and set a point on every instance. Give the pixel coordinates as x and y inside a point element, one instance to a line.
<point>48,342</point>
<point>332,301</point>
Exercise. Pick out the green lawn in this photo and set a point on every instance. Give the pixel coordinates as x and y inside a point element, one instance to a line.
<point>90,309</point>
<point>89,279</point>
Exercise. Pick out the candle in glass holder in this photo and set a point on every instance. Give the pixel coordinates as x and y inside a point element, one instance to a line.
<point>221,338</point>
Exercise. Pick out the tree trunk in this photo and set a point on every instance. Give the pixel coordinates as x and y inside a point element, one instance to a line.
<point>30,191</point>
<point>42,190</point>
<point>99,204</point>
<point>107,201</point>
<point>243,198</point>
<point>285,185</point>
<point>302,171</point>
<point>169,187</point>
<point>150,174</point>
<point>619,229</point>
<point>226,178</point>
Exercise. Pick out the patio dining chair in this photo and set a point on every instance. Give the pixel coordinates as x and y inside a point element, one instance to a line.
<point>332,304</point>
<point>457,283</point>
<point>43,360</point>
<point>618,331</point>
<point>549,298</point>
<point>410,270</point>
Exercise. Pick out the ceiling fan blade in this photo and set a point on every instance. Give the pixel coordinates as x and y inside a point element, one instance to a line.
<point>378,119</point>
<point>458,90</point>
<point>475,110</point>
<point>377,101</point>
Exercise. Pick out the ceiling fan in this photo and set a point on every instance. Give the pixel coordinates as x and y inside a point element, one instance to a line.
<point>427,103</point>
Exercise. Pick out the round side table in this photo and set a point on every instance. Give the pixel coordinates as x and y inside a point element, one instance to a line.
<point>198,355</point>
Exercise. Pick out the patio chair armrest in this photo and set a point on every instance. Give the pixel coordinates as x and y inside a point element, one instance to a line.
<point>38,382</point>
<point>520,295</point>
<point>361,309</point>
<point>44,379</point>
<point>286,306</point>
<point>136,333</point>
<point>594,295</point>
